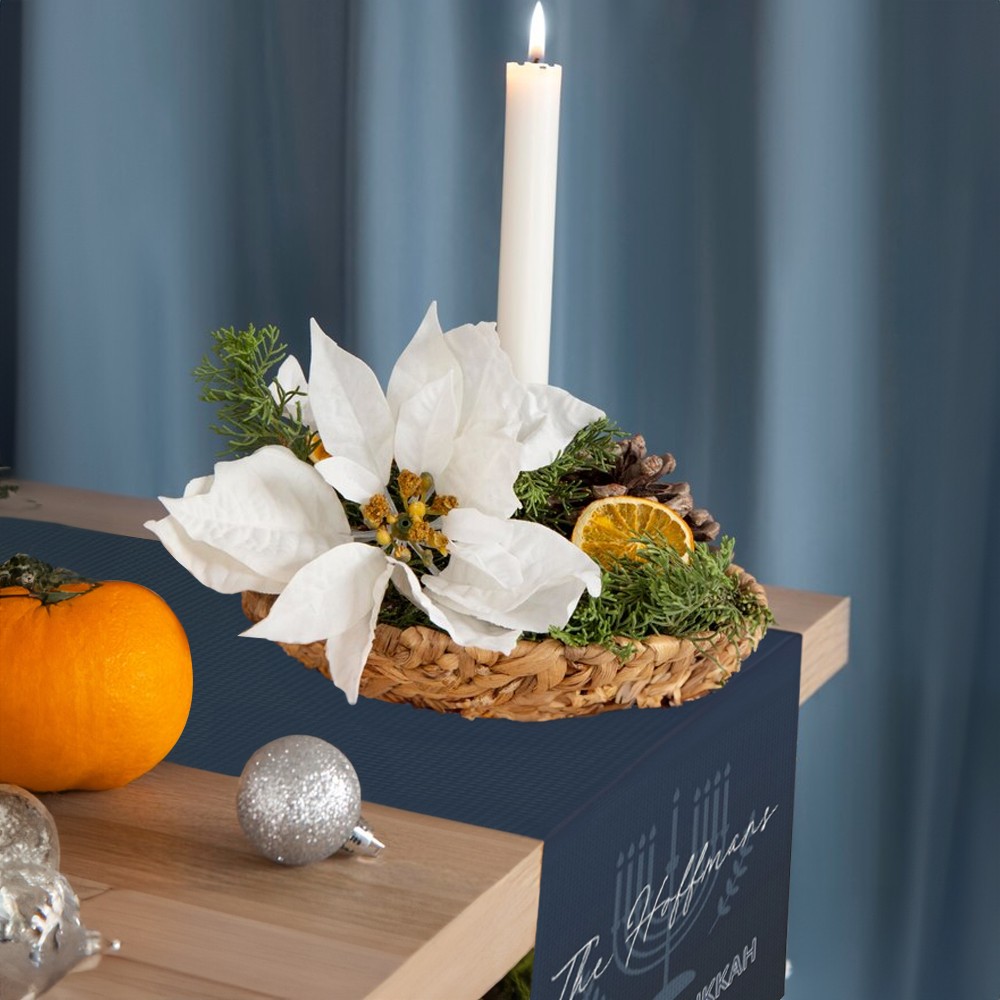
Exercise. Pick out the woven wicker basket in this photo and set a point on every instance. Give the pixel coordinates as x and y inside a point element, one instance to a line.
<point>537,680</point>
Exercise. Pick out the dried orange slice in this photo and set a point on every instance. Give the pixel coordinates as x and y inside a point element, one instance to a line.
<point>608,529</point>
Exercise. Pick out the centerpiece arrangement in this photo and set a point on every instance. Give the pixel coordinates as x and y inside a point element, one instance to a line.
<point>462,541</point>
<point>471,539</point>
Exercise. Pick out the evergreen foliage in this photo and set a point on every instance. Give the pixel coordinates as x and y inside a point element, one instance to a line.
<point>239,380</point>
<point>661,594</point>
<point>555,494</point>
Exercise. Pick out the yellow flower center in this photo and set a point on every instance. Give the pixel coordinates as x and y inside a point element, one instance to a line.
<point>410,532</point>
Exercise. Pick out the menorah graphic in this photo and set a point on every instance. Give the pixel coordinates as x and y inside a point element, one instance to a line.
<point>637,952</point>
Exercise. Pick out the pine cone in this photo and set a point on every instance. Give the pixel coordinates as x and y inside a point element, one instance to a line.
<point>637,474</point>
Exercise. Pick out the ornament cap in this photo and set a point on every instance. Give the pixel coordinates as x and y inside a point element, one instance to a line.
<point>95,946</point>
<point>362,841</point>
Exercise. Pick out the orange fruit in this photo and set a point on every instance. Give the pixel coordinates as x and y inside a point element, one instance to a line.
<point>95,689</point>
<point>608,529</point>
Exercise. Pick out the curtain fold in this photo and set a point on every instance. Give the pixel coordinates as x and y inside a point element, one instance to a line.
<point>939,236</point>
<point>182,169</point>
<point>10,179</point>
<point>820,478</point>
<point>777,251</point>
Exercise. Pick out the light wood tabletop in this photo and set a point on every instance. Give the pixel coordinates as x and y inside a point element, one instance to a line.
<point>162,863</point>
<point>166,869</point>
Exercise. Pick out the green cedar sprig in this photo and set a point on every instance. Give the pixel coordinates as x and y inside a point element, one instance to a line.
<point>663,595</point>
<point>555,494</point>
<point>239,380</point>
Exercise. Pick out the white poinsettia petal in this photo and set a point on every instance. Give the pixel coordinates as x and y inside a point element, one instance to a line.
<point>488,565</point>
<point>554,572</point>
<point>352,415</point>
<point>424,360</point>
<point>544,608</point>
<point>482,471</point>
<point>426,426</point>
<point>208,565</point>
<point>291,378</point>
<point>351,480</point>
<point>197,487</point>
<point>465,629</point>
<point>337,598</point>
<point>550,417</point>
<point>492,394</point>
<point>325,597</point>
<point>269,511</point>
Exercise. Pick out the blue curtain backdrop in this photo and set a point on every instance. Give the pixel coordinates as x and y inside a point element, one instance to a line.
<point>778,253</point>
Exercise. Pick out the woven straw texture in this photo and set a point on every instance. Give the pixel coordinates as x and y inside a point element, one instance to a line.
<point>536,680</point>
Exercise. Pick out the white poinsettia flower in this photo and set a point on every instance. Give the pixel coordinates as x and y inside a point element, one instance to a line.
<point>254,524</point>
<point>431,462</point>
<point>459,427</point>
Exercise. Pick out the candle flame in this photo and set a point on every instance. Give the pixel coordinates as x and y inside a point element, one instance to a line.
<point>536,36</point>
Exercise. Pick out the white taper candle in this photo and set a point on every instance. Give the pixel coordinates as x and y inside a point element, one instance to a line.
<point>528,215</point>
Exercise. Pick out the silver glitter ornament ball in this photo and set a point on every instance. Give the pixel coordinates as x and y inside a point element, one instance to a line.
<point>28,833</point>
<point>299,800</point>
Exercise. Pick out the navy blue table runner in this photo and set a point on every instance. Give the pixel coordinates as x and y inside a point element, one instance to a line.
<point>667,833</point>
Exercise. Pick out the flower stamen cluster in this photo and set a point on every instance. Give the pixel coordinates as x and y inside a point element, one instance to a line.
<point>414,530</point>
